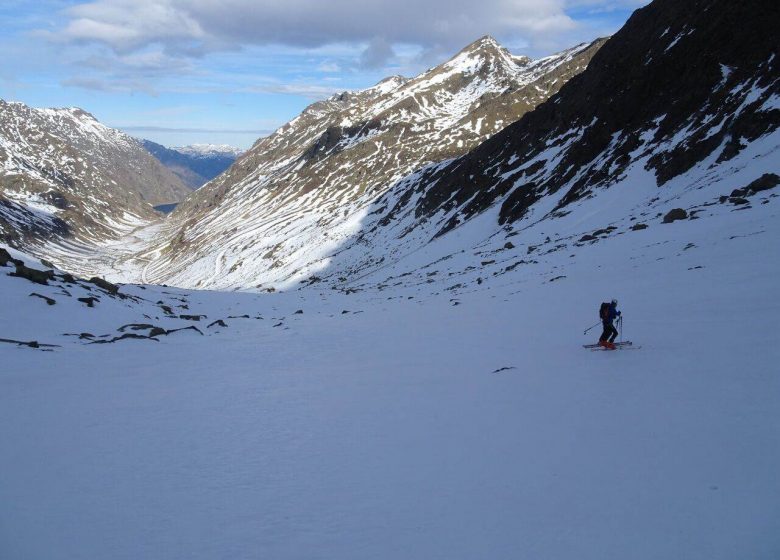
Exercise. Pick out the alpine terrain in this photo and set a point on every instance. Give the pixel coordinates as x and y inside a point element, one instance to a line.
<point>195,165</point>
<point>375,334</point>
<point>66,179</point>
<point>295,196</point>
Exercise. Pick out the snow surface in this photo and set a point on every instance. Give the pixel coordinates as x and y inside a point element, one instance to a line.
<point>389,431</point>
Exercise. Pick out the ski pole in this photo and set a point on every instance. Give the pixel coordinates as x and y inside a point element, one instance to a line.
<point>593,327</point>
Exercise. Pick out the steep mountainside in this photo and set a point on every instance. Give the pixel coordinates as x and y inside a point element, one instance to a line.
<point>318,172</point>
<point>66,177</point>
<point>195,165</point>
<point>683,85</point>
<point>678,111</point>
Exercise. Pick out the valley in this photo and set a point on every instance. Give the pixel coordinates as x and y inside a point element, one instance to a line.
<point>375,333</point>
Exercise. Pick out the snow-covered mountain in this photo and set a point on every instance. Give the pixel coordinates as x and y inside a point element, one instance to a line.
<point>197,164</point>
<point>425,392</point>
<point>668,115</point>
<point>314,177</point>
<point>209,150</point>
<point>66,177</point>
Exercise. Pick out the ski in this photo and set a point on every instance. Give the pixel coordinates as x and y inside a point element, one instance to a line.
<point>625,343</point>
<point>624,347</point>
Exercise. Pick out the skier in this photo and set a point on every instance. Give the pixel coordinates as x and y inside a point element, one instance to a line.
<point>608,313</point>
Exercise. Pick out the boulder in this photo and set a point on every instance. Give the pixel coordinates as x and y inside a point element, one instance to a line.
<point>112,289</point>
<point>34,275</point>
<point>5,258</point>
<point>674,215</point>
<point>90,301</point>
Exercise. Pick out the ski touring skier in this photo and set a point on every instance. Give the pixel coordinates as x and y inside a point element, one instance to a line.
<point>608,313</point>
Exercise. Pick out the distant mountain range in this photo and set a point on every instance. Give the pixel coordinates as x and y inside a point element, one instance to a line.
<point>195,165</point>
<point>489,154</point>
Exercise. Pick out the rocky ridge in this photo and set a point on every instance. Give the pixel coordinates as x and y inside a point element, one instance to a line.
<point>677,111</point>
<point>65,177</point>
<point>308,184</point>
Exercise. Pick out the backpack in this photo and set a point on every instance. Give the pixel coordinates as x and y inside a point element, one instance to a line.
<point>604,311</point>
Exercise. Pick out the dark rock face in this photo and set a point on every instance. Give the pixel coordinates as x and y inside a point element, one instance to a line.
<point>674,68</point>
<point>112,289</point>
<point>5,259</point>
<point>34,275</point>
<point>674,215</point>
<point>764,183</point>
<point>48,300</point>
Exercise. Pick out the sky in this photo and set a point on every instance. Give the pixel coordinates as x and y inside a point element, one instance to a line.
<point>180,72</point>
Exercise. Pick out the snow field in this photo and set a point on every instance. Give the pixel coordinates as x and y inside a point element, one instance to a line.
<point>385,433</point>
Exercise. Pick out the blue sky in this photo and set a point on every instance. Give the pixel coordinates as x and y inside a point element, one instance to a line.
<point>229,71</point>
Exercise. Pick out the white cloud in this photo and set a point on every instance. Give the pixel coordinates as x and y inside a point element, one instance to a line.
<point>329,67</point>
<point>130,42</point>
<point>126,25</point>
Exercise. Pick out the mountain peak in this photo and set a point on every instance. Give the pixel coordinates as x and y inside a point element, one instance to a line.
<point>486,43</point>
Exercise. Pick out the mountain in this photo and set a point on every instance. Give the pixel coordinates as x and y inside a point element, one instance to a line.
<point>683,89</point>
<point>195,165</point>
<point>420,388</point>
<point>65,177</point>
<point>675,114</point>
<point>296,189</point>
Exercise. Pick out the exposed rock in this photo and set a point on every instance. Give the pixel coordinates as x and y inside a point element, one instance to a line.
<point>136,327</point>
<point>5,258</point>
<point>48,300</point>
<point>217,323</point>
<point>112,289</point>
<point>30,344</point>
<point>638,227</point>
<point>192,317</point>
<point>190,328</point>
<point>764,183</point>
<point>90,301</point>
<point>125,336</point>
<point>674,215</point>
<point>33,275</point>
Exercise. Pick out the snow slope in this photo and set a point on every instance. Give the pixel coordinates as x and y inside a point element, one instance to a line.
<point>394,431</point>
